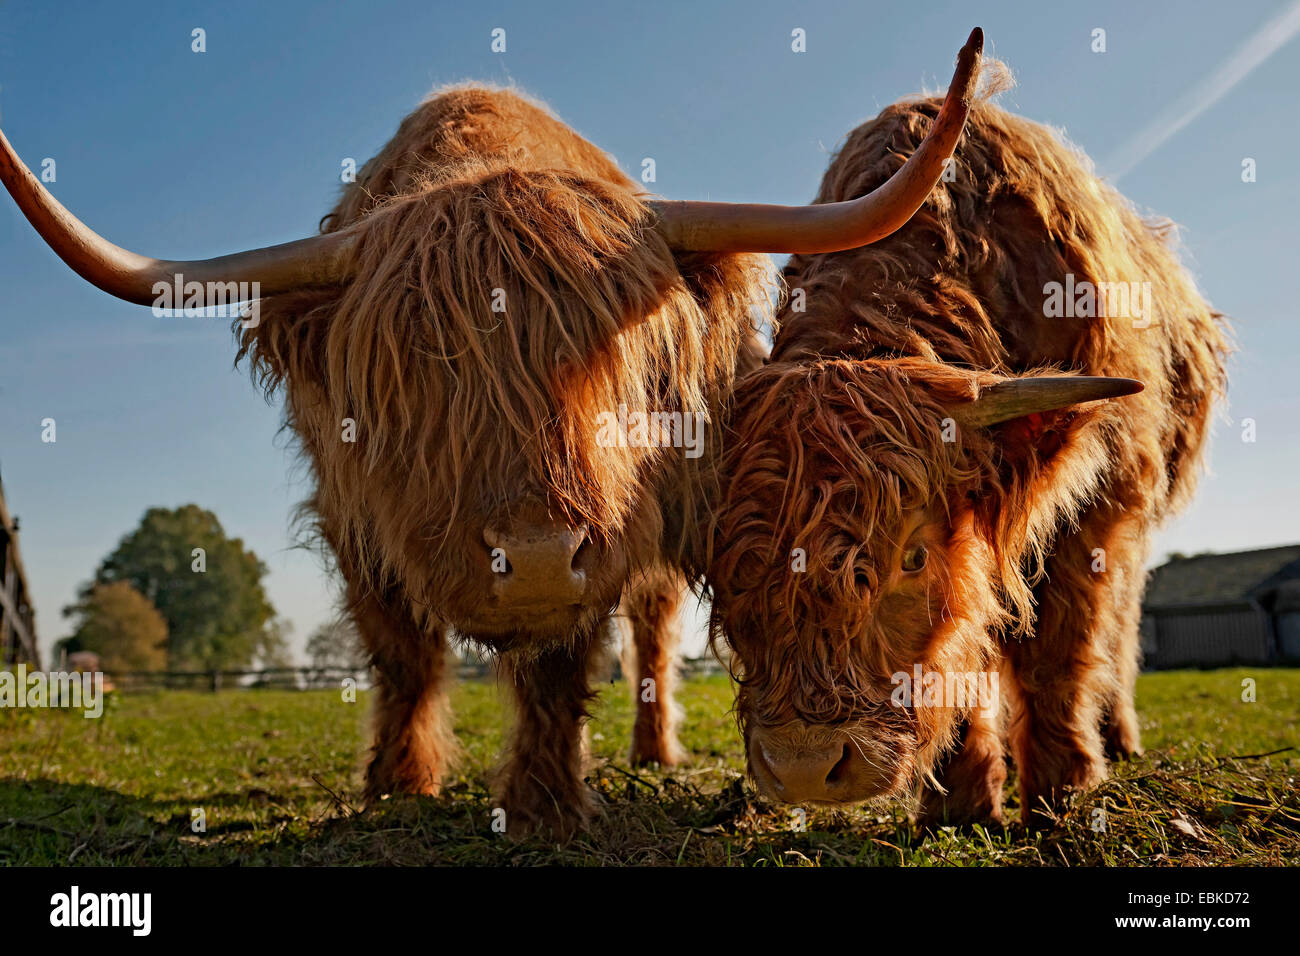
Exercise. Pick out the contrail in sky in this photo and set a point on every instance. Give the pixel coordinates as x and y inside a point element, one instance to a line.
<point>1261,44</point>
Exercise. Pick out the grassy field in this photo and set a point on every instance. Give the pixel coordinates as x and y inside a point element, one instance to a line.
<point>275,773</point>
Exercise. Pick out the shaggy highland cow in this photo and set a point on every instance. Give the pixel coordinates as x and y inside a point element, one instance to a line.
<point>482,302</point>
<point>923,482</point>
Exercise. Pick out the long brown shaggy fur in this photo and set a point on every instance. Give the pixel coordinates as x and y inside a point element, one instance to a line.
<point>508,288</point>
<point>838,453</point>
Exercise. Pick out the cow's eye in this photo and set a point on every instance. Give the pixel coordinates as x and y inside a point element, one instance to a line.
<point>914,558</point>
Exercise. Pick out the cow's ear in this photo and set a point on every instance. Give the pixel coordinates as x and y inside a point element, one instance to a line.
<point>1030,418</point>
<point>1028,421</point>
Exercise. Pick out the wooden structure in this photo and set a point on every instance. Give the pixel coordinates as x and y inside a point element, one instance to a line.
<point>1217,610</point>
<point>17,618</point>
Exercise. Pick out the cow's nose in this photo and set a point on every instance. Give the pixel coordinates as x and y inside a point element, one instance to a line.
<point>811,765</point>
<point>538,564</point>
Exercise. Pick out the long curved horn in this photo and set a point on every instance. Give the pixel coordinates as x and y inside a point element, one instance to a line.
<point>320,260</point>
<point>1016,397</point>
<point>317,260</point>
<point>831,227</point>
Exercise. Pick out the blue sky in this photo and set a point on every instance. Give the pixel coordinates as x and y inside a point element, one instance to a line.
<point>187,155</point>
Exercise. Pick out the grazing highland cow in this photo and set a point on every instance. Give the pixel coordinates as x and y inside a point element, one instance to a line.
<point>469,354</point>
<point>922,490</point>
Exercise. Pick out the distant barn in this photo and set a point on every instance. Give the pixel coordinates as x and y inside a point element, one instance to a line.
<point>1217,610</point>
<point>17,619</point>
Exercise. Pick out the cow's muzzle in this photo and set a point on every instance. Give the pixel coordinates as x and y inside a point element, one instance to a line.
<point>811,763</point>
<point>538,564</point>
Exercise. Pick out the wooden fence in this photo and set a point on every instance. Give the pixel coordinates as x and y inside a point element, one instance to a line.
<point>17,618</point>
<point>309,678</point>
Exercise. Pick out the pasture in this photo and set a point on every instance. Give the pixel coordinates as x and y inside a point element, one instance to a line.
<point>276,774</point>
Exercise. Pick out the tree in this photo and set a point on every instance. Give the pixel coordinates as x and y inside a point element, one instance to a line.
<point>206,586</point>
<point>273,654</point>
<point>336,644</point>
<point>119,624</point>
<point>273,649</point>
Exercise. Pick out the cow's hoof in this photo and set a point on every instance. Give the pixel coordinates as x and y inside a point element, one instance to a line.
<point>655,755</point>
<point>546,814</point>
<point>1046,811</point>
<point>377,793</point>
<point>1123,741</point>
<point>966,803</point>
<point>550,823</point>
<point>939,811</point>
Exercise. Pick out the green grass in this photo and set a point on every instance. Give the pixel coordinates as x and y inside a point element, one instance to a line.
<point>276,774</point>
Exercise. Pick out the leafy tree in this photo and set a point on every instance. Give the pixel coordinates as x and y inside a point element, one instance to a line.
<point>206,586</point>
<point>336,644</point>
<point>119,624</point>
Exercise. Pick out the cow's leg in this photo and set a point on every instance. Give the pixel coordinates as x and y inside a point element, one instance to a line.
<point>541,783</point>
<point>1123,735</point>
<point>653,612</point>
<point>972,775</point>
<point>1123,732</point>
<point>1065,678</point>
<point>413,742</point>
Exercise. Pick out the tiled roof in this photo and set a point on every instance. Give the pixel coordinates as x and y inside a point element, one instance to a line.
<point>1222,578</point>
